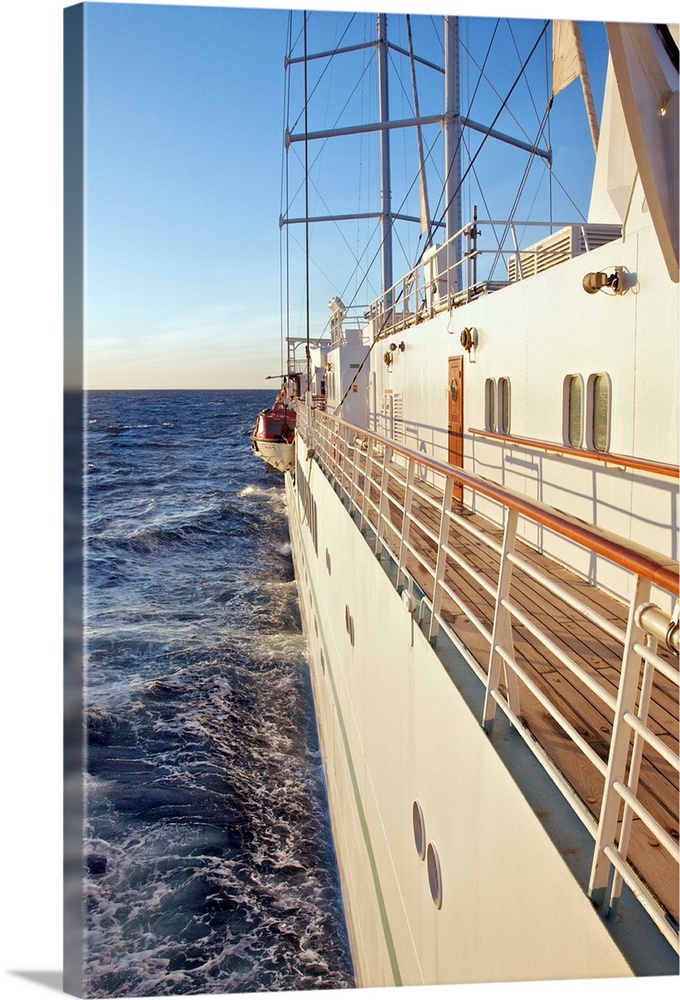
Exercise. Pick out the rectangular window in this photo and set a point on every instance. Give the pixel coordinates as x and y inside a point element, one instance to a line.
<point>504,405</point>
<point>600,411</point>
<point>490,404</point>
<point>574,415</point>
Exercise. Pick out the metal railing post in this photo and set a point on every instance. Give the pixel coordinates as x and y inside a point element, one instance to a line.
<point>501,637</point>
<point>343,454</point>
<point>354,485</point>
<point>368,476</point>
<point>440,568</point>
<point>635,764</point>
<point>405,523</point>
<point>619,749</point>
<point>387,456</point>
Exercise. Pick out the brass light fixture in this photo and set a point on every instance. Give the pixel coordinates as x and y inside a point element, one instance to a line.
<point>594,281</point>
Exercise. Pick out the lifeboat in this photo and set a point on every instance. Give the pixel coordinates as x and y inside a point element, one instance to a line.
<point>273,437</point>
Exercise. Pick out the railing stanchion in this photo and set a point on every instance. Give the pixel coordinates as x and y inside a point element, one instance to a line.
<point>355,475</point>
<point>501,637</point>
<point>368,476</point>
<point>635,764</point>
<point>619,749</point>
<point>405,523</point>
<point>383,505</point>
<point>440,568</point>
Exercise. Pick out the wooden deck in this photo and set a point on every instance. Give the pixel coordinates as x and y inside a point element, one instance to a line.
<point>598,654</point>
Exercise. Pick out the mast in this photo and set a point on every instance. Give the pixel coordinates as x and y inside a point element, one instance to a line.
<point>451,121</point>
<point>452,136</point>
<point>425,221</point>
<point>307,290</point>
<point>385,178</point>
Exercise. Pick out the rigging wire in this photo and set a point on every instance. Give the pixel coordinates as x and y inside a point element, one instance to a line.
<point>361,166</point>
<point>306,169</point>
<point>519,59</point>
<point>498,114</point>
<point>330,215</point>
<point>326,67</point>
<point>525,177</point>
<point>470,168</point>
<point>515,205</point>
<point>547,63</point>
<point>469,111</point>
<point>424,202</point>
<point>489,82</point>
<point>486,136</point>
<point>327,139</point>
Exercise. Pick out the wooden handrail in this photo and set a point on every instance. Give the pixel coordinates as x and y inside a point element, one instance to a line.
<point>662,571</point>
<point>626,461</point>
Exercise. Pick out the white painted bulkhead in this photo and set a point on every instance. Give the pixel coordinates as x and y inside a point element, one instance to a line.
<point>346,377</point>
<point>393,729</point>
<point>536,333</point>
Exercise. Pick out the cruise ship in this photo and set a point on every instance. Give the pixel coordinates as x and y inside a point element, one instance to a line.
<point>483,503</point>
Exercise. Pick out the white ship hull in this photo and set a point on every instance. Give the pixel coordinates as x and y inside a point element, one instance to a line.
<point>394,729</point>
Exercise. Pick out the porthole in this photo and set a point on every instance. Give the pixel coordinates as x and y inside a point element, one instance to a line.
<point>316,627</point>
<point>328,562</point>
<point>434,875</point>
<point>323,662</point>
<point>419,829</point>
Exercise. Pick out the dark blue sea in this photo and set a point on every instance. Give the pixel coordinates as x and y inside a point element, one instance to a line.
<point>208,852</point>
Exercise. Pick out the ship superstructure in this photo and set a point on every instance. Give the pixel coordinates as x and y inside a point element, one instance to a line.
<point>484,521</point>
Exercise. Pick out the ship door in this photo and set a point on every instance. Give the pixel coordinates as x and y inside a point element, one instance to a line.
<point>456,418</point>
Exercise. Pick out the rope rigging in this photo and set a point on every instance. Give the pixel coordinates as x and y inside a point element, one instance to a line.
<point>363,268</point>
<point>491,126</point>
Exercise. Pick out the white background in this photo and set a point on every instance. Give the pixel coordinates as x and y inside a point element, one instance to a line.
<point>30,544</point>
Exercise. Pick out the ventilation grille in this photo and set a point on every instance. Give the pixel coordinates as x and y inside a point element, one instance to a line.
<point>398,417</point>
<point>562,245</point>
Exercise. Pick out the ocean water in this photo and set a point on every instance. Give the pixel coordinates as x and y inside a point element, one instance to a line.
<point>209,865</point>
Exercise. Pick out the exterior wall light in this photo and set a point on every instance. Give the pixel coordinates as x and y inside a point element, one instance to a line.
<point>468,341</point>
<point>594,281</point>
<point>468,338</point>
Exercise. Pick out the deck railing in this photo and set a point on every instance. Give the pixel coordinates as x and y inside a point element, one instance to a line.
<point>412,522</point>
<point>583,454</point>
<point>467,266</point>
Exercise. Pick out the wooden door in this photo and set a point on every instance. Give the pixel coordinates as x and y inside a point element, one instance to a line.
<point>455,394</point>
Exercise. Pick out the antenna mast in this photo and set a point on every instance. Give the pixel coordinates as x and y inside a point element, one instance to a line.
<point>385,178</point>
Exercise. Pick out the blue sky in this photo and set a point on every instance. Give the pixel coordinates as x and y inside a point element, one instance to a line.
<point>183,149</point>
